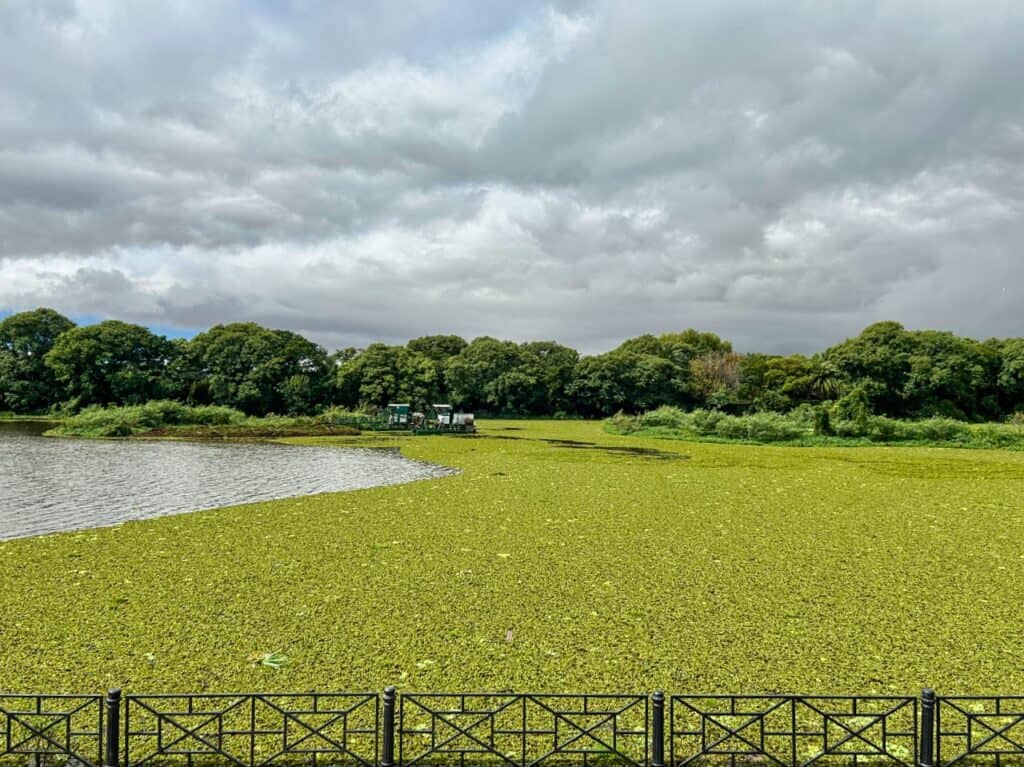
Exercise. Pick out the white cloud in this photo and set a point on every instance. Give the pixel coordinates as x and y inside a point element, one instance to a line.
<point>782,173</point>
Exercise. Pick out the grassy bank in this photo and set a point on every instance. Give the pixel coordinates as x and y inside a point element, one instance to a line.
<point>809,427</point>
<point>166,418</point>
<point>618,563</point>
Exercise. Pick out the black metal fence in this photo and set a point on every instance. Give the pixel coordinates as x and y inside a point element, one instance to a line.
<point>509,730</point>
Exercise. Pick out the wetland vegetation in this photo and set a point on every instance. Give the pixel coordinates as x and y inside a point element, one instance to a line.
<point>565,554</point>
<point>560,558</point>
<point>47,364</point>
<point>807,426</point>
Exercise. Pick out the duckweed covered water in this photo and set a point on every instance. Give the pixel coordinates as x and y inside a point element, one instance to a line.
<point>734,569</point>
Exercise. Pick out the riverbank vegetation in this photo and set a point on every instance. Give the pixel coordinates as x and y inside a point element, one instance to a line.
<point>818,426</point>
<point>166,418</point>
<point>46,363</point>
<point>561,558</point>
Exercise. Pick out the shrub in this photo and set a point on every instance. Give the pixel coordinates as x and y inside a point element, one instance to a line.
<point>620,423</point>
<point>803,414</point>
<point>855,406</point>
<point>995,436</point>
<point>157,413</point>
<point>849,429</point>
<point>665,416</point>
<point>730,427</point>
<point>803,421</point>
<point>705,422</point>
<point>882,429</point>
<point>773,427</point>
<point>125,421</point>
<point>940,430</point>
<point>119,429</point>
<point>337,416</point>
<point>823,422</point>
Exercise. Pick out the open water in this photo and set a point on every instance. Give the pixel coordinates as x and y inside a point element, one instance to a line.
<point>49,485</point>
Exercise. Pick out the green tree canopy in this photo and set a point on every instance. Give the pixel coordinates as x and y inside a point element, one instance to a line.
<point>919,373</point>
<point>381,374</point>
<point>437,348</point>
<point>112,363</point>
<point>258,370</point>
<point>770,382</point>
<point>27,385</point>
<point>551,368</point>
<point>475,376</point>
<point>951,376</point>
<point>1011,375</point>
<point>680,349</point>
<point>886,370</point>
<point>625,380</point>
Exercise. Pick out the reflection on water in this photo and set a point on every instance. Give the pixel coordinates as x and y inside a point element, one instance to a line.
<point>48,485</point>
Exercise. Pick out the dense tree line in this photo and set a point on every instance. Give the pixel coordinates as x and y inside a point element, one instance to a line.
<point>48,363</point>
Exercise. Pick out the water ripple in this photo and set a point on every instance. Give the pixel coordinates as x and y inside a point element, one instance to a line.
<point>50,485</point>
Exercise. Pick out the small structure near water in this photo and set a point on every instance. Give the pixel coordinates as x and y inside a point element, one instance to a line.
<point>443,419</point>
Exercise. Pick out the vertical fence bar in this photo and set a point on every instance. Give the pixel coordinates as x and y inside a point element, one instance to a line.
<point>658,729</point>
<point>927,758</point>
<point>113,728</point>
<point>387,751</point>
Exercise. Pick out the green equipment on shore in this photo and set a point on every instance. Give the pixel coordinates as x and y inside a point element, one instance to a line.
<point>444,420</point>
<point>399,415</point>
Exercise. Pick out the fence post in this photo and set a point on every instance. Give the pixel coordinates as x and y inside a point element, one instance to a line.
<point>387,755</point>
<point>113,729</point>
<point>658,729</point>
<point>927,727</point>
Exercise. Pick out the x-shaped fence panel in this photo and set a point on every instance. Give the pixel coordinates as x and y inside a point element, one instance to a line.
<point>980,730</point>
<point>51,729</point>
<point>252,730</point>
<point>792,730</point>
<point>512,730</point>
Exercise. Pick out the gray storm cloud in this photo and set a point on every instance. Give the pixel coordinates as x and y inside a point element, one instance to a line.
<point>783,173</point>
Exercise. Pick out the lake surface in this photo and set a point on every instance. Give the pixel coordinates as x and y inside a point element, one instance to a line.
<point>49,485</point>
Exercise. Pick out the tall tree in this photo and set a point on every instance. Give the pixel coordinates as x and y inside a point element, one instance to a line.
<point>1011,375</point>
<point>624,380</point>
<point>381,374</point>
<point>680,349</point>
<point>919,373</point>
<point>551,367</point>
<point>27,385</point>
<point>715,377</point>
<point>112,363</point>
<point>951,376</point>
<point>878,363</point>
<point>481,376</point>
<point>438,349</point>
<point>258,370</point>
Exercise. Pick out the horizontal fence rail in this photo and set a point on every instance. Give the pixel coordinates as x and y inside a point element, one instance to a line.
<point>509,730</point>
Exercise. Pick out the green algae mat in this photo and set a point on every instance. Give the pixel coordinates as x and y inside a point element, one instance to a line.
<point>561,558</point>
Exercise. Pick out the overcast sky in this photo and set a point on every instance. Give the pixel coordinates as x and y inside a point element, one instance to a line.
<point>782,173</point>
